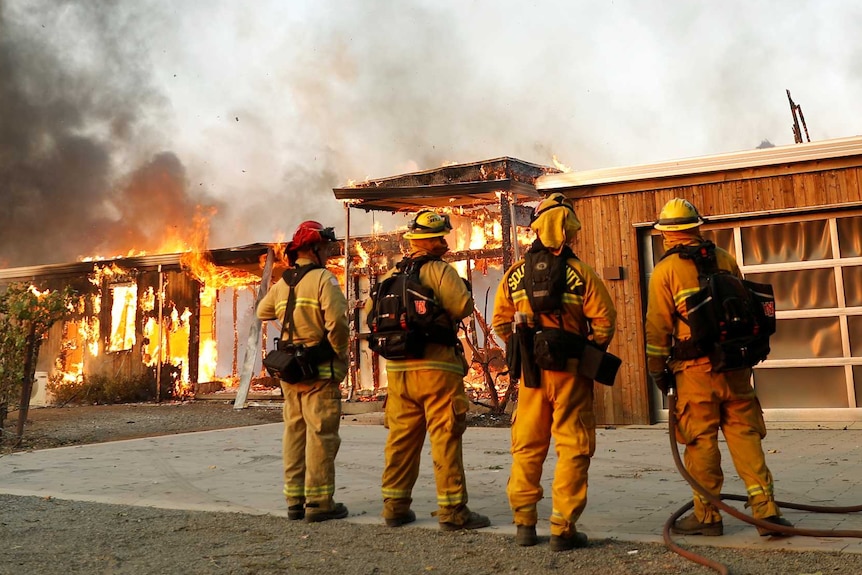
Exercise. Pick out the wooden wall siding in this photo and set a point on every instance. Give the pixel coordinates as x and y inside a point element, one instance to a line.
<point>608,238</point>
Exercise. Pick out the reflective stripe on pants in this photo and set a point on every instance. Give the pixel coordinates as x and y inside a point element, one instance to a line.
<point>707,402</point>
<point>416,401</point>
<point>312,416</point>
<point>561,408</point>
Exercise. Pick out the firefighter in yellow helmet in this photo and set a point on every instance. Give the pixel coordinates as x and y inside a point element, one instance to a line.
<point>428,394</point>
<point>706,400</point>
<point>312,409</point>
<point>561,406</point>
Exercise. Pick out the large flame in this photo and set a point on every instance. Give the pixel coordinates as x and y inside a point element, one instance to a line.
<point>199,263</point>
<point>165,342</point>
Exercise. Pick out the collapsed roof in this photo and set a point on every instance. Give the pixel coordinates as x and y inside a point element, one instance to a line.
<point>464,185</point>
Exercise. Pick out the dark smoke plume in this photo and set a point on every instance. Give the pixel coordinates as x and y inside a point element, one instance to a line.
<point>78,176</point>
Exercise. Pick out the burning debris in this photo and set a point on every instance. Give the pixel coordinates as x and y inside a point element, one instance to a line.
<point>490,229</point>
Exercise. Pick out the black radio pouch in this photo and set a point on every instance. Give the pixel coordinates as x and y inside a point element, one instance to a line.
<point>552,348</point>
<point>291,364</point>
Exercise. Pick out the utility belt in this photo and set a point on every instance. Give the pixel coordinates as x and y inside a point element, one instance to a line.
<point>552,348</point>
<point>738,353</point>
<point>297,362</point>
<point>686,349</point>
<point>442,335</point>
<point>411,343</point>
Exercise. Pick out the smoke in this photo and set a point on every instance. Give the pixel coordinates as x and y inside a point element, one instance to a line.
<point>121,118</point>
<point>77,173</point>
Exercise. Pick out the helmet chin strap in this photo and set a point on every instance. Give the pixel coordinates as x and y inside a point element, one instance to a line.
<point>316,251</point>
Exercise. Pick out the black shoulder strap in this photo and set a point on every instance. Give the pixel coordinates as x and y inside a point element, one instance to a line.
<point>412,266</point>
<point>702,255</point>
<point>292,277</point>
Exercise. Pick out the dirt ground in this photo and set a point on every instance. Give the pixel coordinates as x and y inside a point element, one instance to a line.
<point>49,536</point>
<point>79,425</point>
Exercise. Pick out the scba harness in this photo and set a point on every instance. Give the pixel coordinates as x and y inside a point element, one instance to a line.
<point>296,362</point>
<point>405,315</point>
<point>548,282</point>
<point>730,318</point>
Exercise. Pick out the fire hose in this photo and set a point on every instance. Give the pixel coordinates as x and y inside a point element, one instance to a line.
<point>718,503</point>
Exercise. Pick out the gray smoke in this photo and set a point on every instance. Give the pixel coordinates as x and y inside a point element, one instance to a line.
<point>75,177</point>
<point>120,118</point>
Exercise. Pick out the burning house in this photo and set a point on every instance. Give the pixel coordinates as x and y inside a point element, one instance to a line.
<point>186,320</point>
<point>140,317</point>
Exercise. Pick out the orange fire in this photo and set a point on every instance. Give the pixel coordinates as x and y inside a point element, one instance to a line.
<point>165,342</point>
<point>363,255</point>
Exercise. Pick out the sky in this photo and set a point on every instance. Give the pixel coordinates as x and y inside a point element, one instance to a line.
<point>124,122</point>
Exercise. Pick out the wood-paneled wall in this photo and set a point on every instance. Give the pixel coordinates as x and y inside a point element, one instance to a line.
<point>609,238</point>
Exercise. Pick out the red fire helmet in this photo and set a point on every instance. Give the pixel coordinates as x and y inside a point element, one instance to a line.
<point>309,233</point>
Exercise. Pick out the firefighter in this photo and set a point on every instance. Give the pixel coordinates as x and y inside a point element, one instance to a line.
<point>312,410</point>
<point>428,393</point>
<point>706,400</point>
<point>561,404</point>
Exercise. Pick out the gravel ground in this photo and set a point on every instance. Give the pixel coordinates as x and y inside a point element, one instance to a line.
<point>47,536</point>
<point>79,425</point>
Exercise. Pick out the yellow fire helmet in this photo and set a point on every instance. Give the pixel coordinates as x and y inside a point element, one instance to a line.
<point>676,215</point>
<point>428,224</point>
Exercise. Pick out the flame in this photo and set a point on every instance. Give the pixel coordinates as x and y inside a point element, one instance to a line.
<point>123,317</point>
<point>165,343</point>
<point>89,332</point>
<point>107,272</point>
<point>363,255</point>
<point>208,361</point>
<point>171,346</point>
<point>561,166</point>
<point>35,291</point>
<point>198,262</point>
<point>148,300</point>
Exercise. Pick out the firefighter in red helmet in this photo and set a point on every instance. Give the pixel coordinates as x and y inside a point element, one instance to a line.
<point>312,409</point>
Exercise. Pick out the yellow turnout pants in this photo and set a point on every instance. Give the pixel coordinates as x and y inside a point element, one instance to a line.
<point>419,400</point>
<point>561,408</point>
<point>707,402</point>
<point>312,416</point>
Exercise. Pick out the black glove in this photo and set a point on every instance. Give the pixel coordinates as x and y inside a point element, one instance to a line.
<point>663,380</point>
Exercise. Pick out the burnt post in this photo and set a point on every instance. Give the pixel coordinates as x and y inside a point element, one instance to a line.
<point>507,224</point>
<point>195,336</point>
<point>796,110</point>
<point>355,351</point>
<point>375,357</point>
<point>253,335</point>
